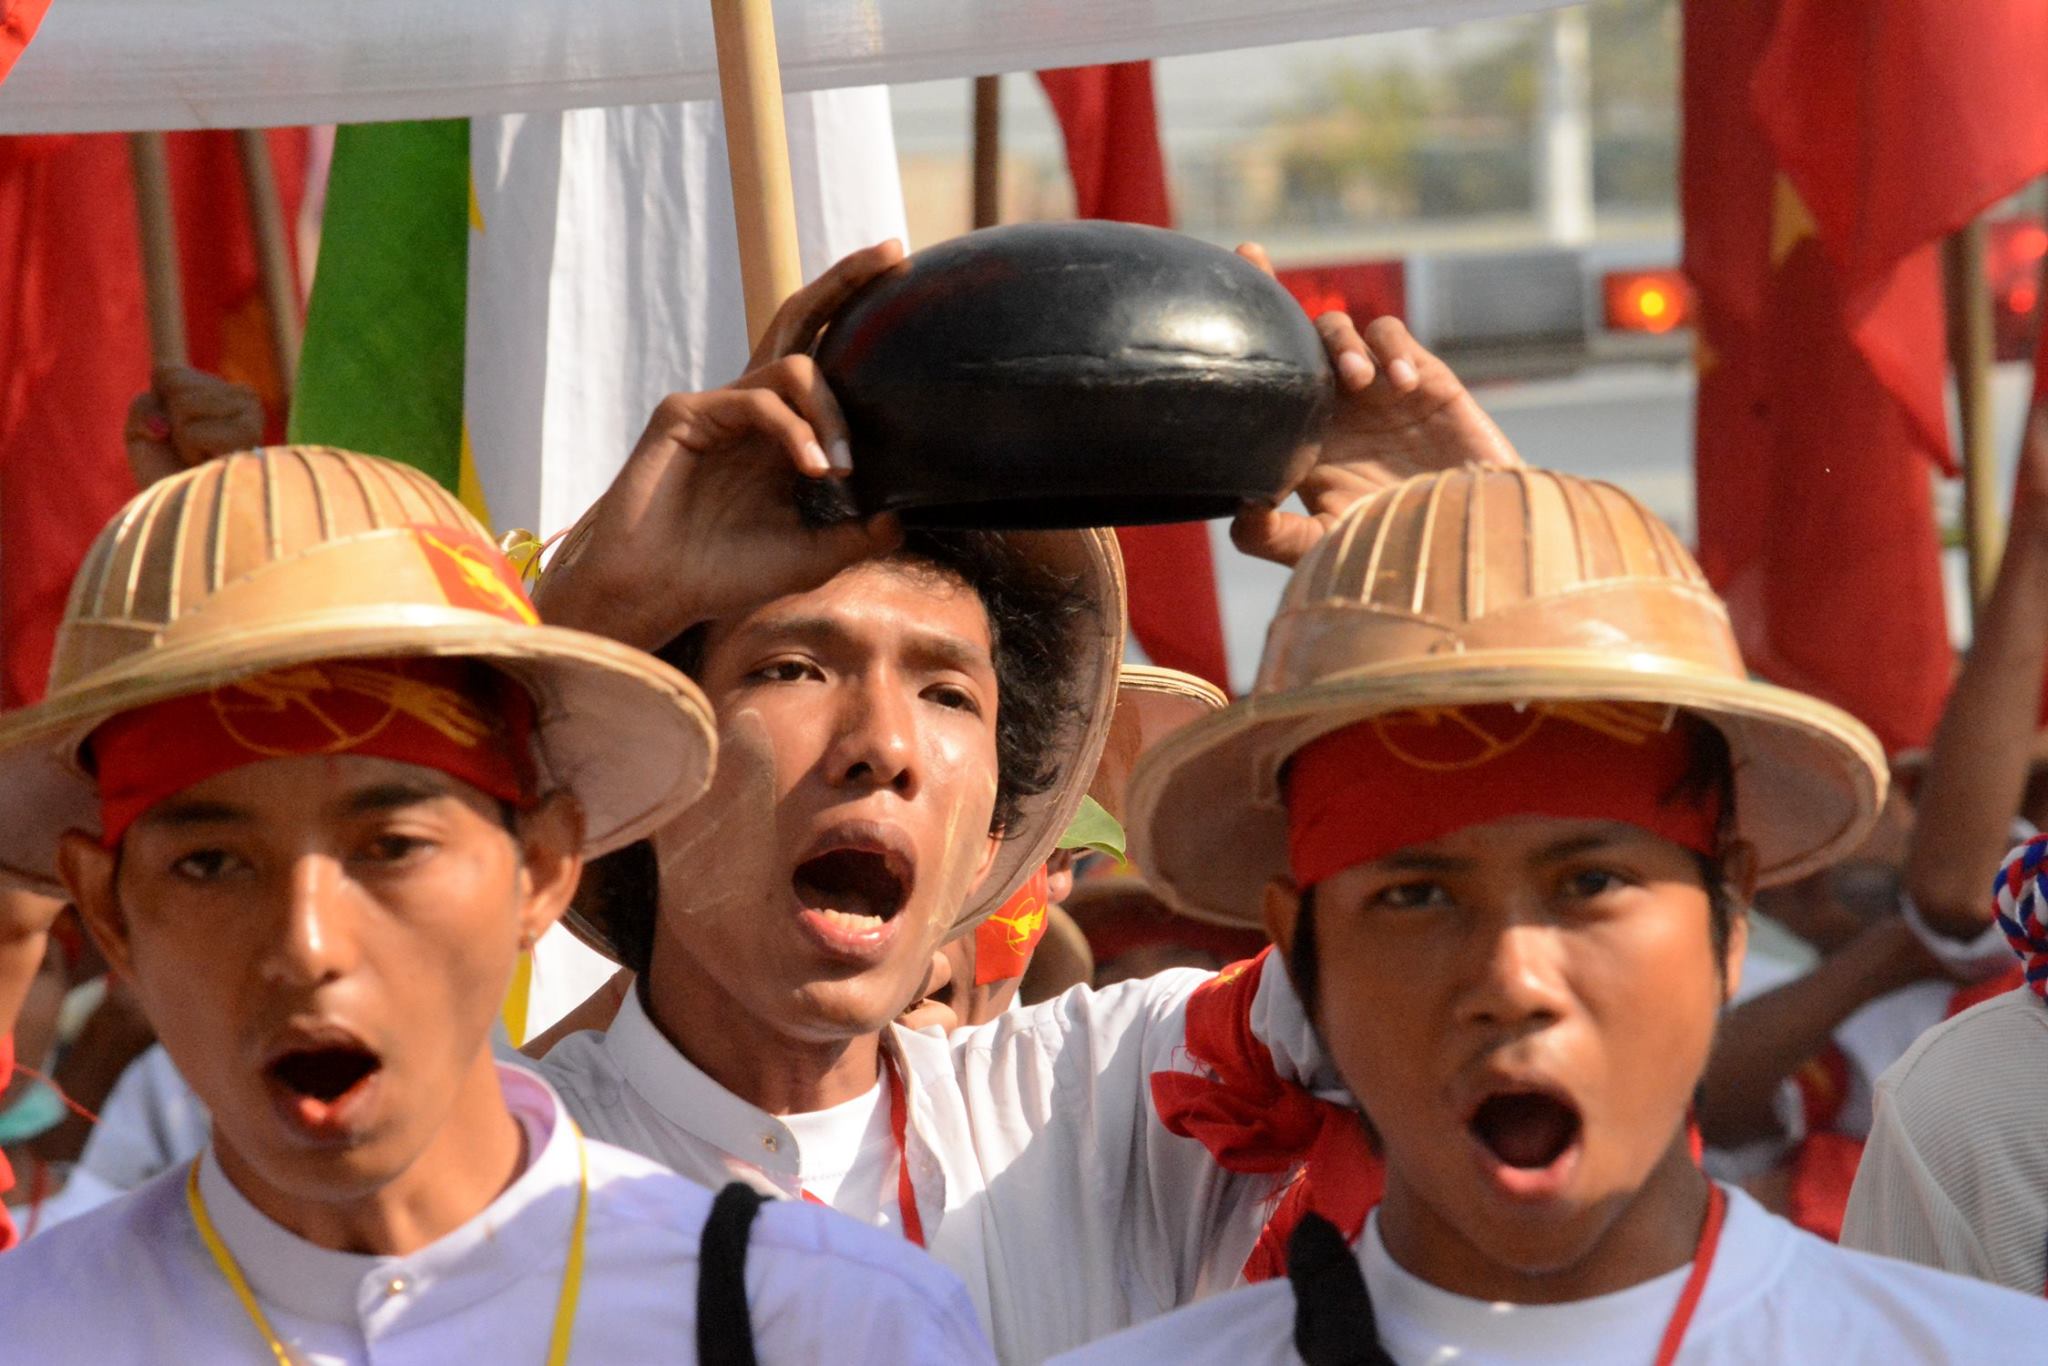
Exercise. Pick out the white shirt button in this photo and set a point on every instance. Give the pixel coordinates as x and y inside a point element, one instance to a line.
<point>771,1142</point>
<point>395,1287</point>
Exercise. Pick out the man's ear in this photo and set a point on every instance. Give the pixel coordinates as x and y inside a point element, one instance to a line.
<point>1280,909</point>
<point>88,869</point>
<point>1738,876</point>
<point>550,837</point>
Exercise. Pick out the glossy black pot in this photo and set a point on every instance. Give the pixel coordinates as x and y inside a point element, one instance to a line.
<point>1075,374</point>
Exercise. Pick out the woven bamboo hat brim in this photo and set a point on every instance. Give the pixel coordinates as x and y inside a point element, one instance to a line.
<point>1491,586</point>
<point>293,555</point>
<point>1151,704</point>
<point>1091,562</point>
<point>1060,962</point>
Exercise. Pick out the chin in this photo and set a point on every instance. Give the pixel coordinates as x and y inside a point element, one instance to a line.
<point>851,1007</point>
<point>332,1176</point>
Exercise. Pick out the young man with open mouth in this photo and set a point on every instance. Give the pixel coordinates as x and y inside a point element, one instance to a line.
<point>902,740</point>
<point>315,775</point>
<point>1509,790</point>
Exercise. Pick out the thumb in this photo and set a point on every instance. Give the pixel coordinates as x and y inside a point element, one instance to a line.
<point>1271,533</point>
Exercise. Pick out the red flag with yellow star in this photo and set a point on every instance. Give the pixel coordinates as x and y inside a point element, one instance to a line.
<point>1816,517</point>
<point>74,345</point>
<point>1898,123</point>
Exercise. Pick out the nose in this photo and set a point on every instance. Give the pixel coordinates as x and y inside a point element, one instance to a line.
<point>313,938</point>
<point>876,741</point>
<point>1519,983</point>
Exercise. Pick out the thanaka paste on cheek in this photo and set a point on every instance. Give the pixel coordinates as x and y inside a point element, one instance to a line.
<point>721,852</point>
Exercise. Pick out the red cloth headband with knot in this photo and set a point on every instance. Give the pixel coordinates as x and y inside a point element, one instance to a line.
<point>1409,777</point>
<point>447,714</point>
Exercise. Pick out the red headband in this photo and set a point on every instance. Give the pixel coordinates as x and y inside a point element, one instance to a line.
<point>446,714</point>
<point>1410,777</point>
<point>1004,942</point>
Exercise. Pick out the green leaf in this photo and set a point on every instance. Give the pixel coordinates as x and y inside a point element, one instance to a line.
<point>1094,828</point>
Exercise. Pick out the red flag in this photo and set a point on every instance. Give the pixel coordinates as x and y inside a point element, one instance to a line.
<point>1111,126</point>
<point>74,346</point>
<point>1898,123</point>
<point>1815,513</point>
<point>18,22</point>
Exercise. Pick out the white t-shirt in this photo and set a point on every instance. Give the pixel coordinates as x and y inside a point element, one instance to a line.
<point>132,1282</point>
<point>1955,1173</point>
<point>1775,1295</point>
<point>853,1156</point>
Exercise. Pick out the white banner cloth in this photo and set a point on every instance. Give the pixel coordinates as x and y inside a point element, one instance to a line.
<point>118,65</point>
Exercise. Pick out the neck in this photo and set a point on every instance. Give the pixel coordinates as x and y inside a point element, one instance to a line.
<point>1655,1230</point>
<point>471,1159</point>
<point>750,1056</point>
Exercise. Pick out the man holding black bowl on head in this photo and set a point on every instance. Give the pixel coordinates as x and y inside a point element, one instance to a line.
<point>908,720</point>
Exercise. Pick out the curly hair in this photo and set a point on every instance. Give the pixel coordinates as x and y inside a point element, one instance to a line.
<point>1033,613</point>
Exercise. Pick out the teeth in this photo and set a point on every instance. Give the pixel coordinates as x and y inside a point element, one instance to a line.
<point>852,920</point>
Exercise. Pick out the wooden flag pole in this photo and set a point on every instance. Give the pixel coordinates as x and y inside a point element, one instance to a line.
<point>273,251</point>
<point>988,151</point>
<point>152,172</point>
<point>1970,350</point>
<point>757,145</point>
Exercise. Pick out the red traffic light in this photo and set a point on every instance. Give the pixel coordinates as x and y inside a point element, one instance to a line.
<point>1654,301</point>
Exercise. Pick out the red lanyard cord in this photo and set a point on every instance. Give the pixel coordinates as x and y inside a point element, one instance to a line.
<point>1696,1283</point>
<point>899,1129</point>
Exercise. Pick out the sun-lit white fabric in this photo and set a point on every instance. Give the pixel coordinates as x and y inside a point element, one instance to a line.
<point>258,64</point>
<point>131,1281</point>
<point>1955,1173</point>
<point>1775,1295</point>
<point>604,273</point>
<point>1044,1178</point>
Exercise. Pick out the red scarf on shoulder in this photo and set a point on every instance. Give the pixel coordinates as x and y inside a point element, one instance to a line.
<point>1253,1121</point>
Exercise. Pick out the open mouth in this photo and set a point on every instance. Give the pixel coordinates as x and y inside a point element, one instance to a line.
<point>1526,1130</point>
<point>319,1081</point>
<point>854,886</point>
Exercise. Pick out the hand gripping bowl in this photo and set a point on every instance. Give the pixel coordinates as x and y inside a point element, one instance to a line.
<point>1047,375</point>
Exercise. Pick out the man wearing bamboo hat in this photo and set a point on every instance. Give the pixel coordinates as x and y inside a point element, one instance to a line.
<point>1500,794</point>
<point>314,774</point>
<point>903,740</point>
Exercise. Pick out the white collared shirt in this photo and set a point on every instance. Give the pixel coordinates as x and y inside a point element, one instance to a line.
<point>1774,1294</point>
<point>1044,1179</point>
<point>132,1281</point>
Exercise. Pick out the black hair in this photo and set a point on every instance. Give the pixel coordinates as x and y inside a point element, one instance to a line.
<point>1033,612</point>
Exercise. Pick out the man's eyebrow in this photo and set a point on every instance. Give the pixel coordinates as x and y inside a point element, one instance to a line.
<point>1574,845</point>
<point>1402,861</point>
<point>175,813</point>
<point>925,646</point>
<point>391,796</point>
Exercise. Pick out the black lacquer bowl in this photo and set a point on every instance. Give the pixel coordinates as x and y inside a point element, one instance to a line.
<point>1075,374</point>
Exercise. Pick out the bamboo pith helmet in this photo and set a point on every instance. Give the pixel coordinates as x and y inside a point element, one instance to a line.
<point>1091,561</point>
<point>1491,586</point>
<point>297,554</point>
<point>1151,704</point>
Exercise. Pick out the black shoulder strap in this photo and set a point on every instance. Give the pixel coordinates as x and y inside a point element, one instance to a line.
<point>725,1330</point>
<point>1333,1319</point>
